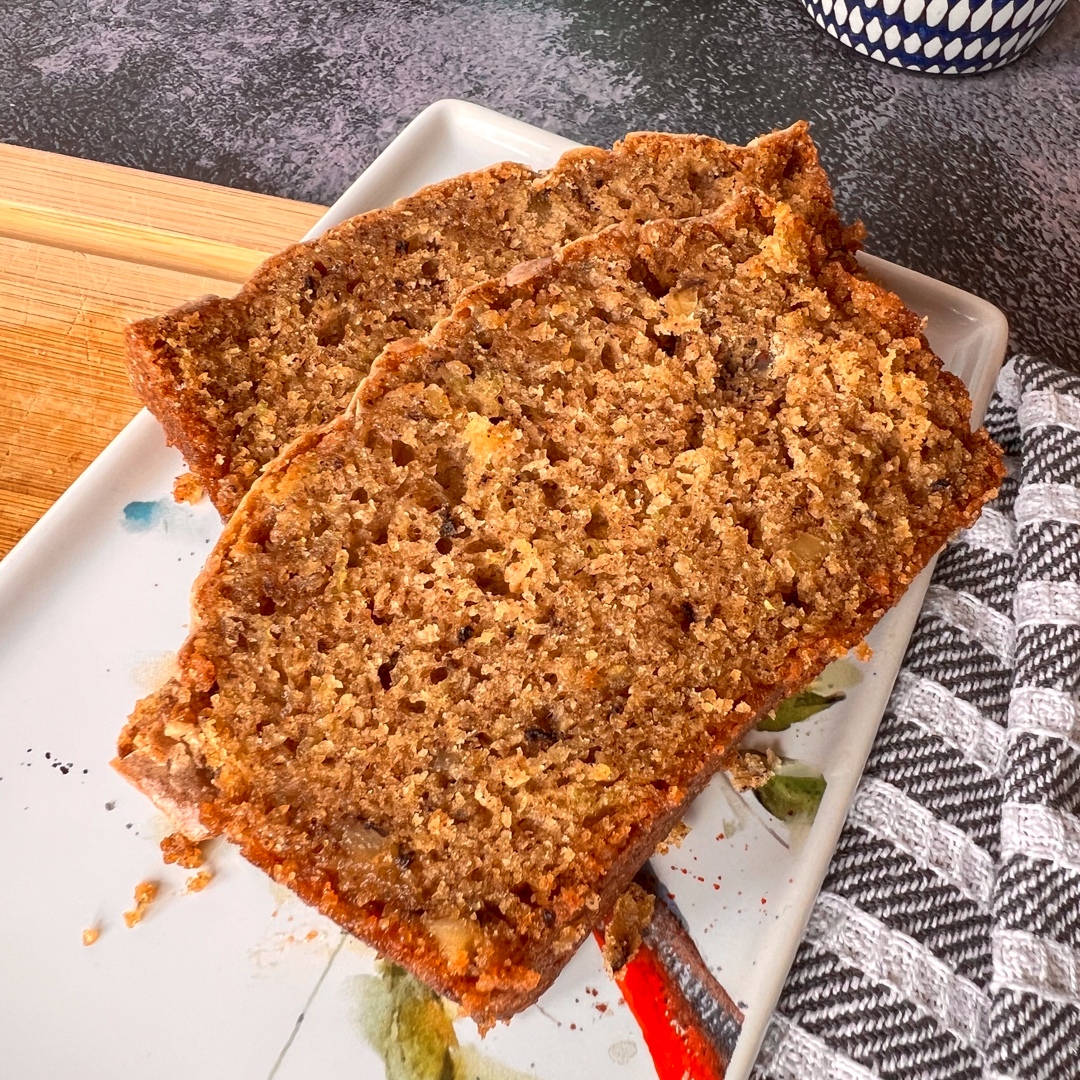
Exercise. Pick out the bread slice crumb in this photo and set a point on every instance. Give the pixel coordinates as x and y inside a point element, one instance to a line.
<point>467,652</point>
<point>235,381</point>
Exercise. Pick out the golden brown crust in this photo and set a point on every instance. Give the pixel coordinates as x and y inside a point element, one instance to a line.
<point>160,385</point>
<point>234,380</point>
<point>463,655</point>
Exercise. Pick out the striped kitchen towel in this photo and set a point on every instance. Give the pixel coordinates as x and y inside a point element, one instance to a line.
<point>946,939</point>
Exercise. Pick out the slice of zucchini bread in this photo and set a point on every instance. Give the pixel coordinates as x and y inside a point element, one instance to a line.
<point>233,381</point>
<point>464,654</point>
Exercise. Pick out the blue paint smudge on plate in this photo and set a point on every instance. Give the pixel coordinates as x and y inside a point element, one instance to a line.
<point>140,516</point>
<point>162,513</point>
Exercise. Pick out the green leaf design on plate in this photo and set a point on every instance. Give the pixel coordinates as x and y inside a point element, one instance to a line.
<point>792,798</point>
<point>409,1026</point>
<point>412,1030</point>
<point>795,709</point>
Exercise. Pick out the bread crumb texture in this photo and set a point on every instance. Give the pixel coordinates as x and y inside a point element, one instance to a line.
<point>187,488</point>
<point>177,848</point>
<point>751,769</point>
<point>629,919</point>
<point>679,832</point>
<point>234,381</point>
<point>463,655</point>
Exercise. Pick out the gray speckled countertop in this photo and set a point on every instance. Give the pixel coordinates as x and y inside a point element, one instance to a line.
<point>973,180</point>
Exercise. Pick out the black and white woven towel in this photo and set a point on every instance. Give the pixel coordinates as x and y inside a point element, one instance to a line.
<point>946,940</point>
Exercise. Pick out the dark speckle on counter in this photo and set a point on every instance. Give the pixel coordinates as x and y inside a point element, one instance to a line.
<point>972,180</point>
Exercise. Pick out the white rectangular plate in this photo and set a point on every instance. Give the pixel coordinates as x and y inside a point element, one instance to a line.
<point>94,601</point>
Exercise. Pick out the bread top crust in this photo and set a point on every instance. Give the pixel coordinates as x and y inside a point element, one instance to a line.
<point>463,655</point>
<point>233,381</point>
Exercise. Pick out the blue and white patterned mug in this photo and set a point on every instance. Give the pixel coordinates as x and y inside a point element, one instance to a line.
<point>938,37</point>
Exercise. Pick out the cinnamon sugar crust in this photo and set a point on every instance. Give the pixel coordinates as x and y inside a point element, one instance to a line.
<point>463,655</point>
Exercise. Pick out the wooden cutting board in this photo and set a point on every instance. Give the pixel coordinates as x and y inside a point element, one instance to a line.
<point>84,249</point>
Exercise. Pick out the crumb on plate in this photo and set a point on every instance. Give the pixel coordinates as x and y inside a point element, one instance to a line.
<point>145,894</point>
<point>630,917</point>
<point>750,769</point>
<point>198,882</point>
<point>187,488</point>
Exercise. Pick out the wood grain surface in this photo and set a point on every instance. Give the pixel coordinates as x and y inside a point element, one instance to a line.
<point>84,249</point>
